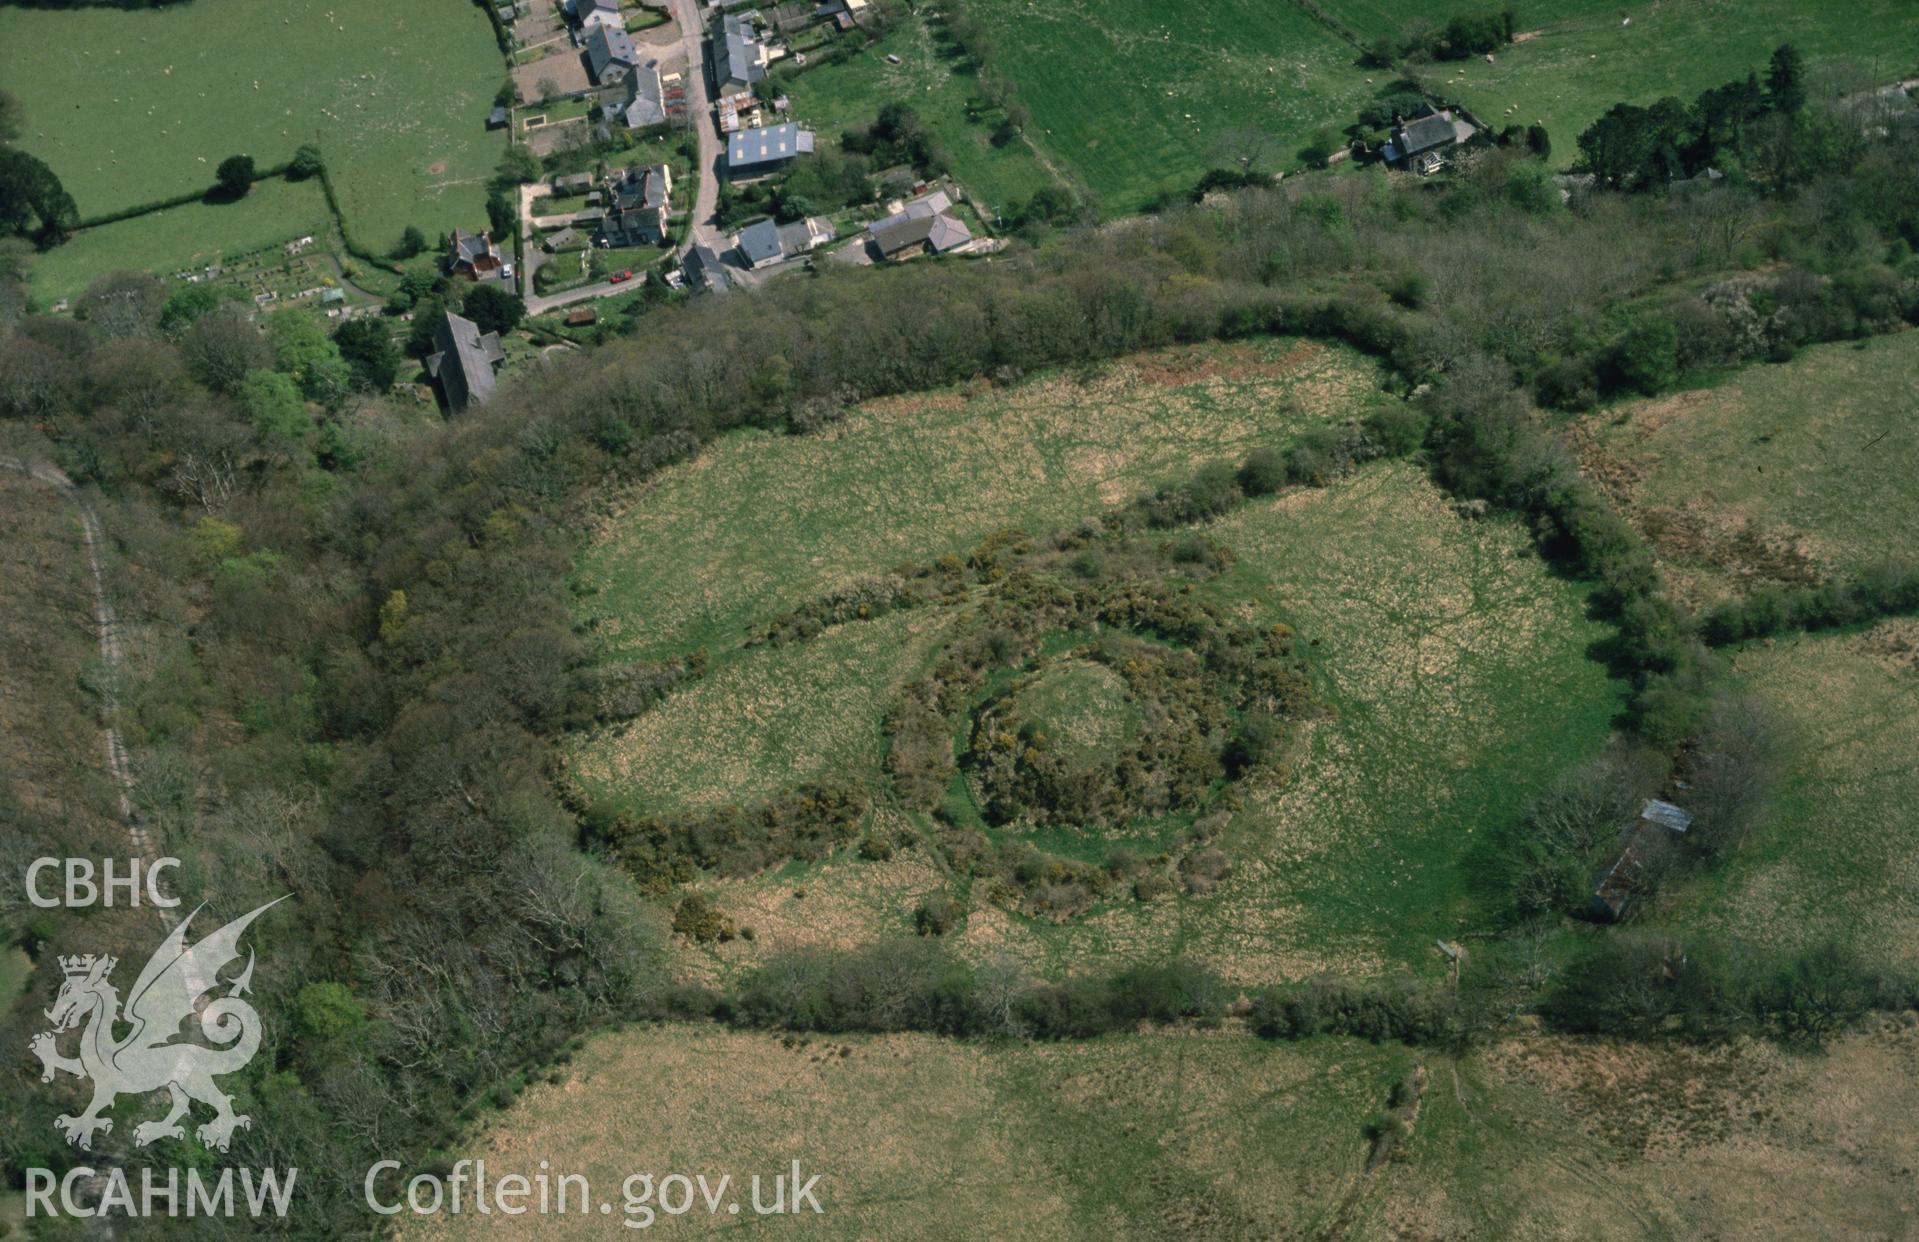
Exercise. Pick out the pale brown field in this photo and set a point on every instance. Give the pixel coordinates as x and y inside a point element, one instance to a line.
<point>1219,1135</point>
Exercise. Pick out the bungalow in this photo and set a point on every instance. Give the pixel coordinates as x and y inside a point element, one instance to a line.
<point>610,54</point>
<point>1419,143</point>
<point>739,58</point>
<point>464,362</point>
<point>638,204</point>
<point>757,152</point>
<point>473,255</point>
<point>703,271</point>
<point>926,225</point>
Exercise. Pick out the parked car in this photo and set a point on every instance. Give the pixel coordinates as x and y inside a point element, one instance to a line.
<point>619,277</point>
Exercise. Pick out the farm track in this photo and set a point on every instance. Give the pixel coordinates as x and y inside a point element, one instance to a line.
<point>112,652</point>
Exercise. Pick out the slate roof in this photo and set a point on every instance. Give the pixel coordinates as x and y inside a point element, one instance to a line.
<point>751,148</point>
<point>759,243</point>
<point>737,51</point>
<point>1426,133</point>
<point>465,360</point>
<point>704,272</point>
<point>927,220</point>
<point>607,46</point>
<point>645,100</point>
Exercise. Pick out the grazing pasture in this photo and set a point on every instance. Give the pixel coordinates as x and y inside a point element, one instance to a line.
<point>1786,473</point>
<point>1836,858</point>
<point>1134,98</point>
<point>180,238</point>
<point>1585,56</point>
<point>841,95</point>
<point>130,107</point>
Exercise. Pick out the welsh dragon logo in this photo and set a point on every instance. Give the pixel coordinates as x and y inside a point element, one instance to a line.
<point>173,987</point>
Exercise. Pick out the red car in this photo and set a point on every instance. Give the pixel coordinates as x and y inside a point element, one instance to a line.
<point>618,277</point>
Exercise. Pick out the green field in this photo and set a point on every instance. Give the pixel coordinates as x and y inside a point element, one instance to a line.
<point>1455,663</point>
<point>1788,472</point>
<point>1585,58</point>
<point>277,211</point>
<point>694,562</point>
<point>1132,97</point>
<point>833,98</point>
<point>1838,856</point>
<point>130,107</point>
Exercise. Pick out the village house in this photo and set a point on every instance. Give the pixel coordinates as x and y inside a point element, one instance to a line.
<point>637,206</point>
<point>766,243</point>
<point>465,362</point>
<point>739,58</point>
<point>610,54</point>
<point>594,13</point>
<point>645,104</point>
<point>472,255</point>
<point>926,225</point>
<point>759,152</point>
<point>703,271</point>
<point>1420,142</point>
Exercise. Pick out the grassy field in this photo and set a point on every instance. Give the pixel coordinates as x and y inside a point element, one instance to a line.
<point>1457,664</point>
<point>1790,472</point>
<point>129,107</point>
<point>1132,96</point>
<point>1586,58</point>
<point>1835,859</point>
<point>835,97</point>
<point>1214,1135</point>
<point>183,237</point>
<point>1374,19</point>
<point>692,561</point>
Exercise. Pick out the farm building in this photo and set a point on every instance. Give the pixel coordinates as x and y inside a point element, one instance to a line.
<point>1419,143</point>
<point>703,271</point>
<point>756,152</point>
<point>926,225</point>
<point>582,317</point>
<point>739,58</point>
<point>472,255</point>
<point>610,54</point>
<point>638,204</point>
<point>465,361</point>
<point>1647,837</point>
